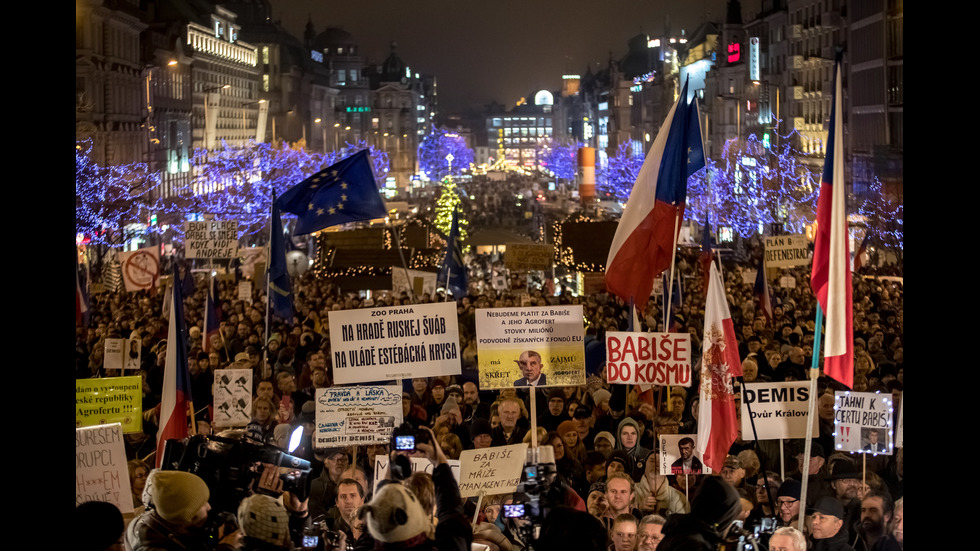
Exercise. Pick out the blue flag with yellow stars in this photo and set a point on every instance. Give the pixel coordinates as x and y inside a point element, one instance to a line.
<point>343,192</point>
<point>453,271</point>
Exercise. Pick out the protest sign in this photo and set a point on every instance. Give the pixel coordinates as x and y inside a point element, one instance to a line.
<point>785,251</point>
<point>112,357</point>
<point>863,422</point>
<point>409,281</point>
<point>493,471</point>
<point>245,291</point>
<point>543,344</point>
<point>678,455</point>
<point>109,400</point>
<point>528,256</point>
<point>140,268</point>
<point>419,464</point>
<point>253,260</point>
<point>133,354</point>
<point>211,239</point>
<point>399,342</point>
<point>648,358</point>
<point>779,410</point>
<point>232,397</point>
<point>356,415</point>
<point>101,473</point>
<point>787,282</point>
<point>749,275</point>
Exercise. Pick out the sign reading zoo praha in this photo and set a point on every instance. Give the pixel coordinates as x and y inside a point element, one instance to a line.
<point>648,358</point>
<point>779,410</point>
<point>784,251</point>
<point>211,239</point>
<point>532,346</point>
<point>110,400</point>
<point>399,342</point>
<point>863,422</point>
<point>356,415</point>
<point>493,471</point>
<point>101,473</point>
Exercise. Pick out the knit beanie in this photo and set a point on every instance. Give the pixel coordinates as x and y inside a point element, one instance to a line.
<point>264,518</point>
<point>177,496</point>
<point>566,427</point>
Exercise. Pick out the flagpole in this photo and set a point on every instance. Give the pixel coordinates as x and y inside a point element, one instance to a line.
<point>673,259</point>
<point>401,254</point>
<point>268,295</point>
<point>811,412</point>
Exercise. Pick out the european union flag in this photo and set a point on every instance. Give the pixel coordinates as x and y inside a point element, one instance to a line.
<point>453,268</point>
<point>343,192</point>
<point>280,290</point>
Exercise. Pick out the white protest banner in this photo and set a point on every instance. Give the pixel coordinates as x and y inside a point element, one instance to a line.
<point>232,397</point>
<point>778,409</point>
<point>748,276</point>
<point>112,357</point>
<point>648,358</point>
<point>419,464</point>
<point>410,281</point>
<point>211,239</point>
<point>863,422</point>
<point>399,342</point>
<point>899,430</point>
<point>356,415</point>
<point>678,455</point>
<point>540,344</point>
<point>245,291</point>
<point>140,268</point>
<point>493,471</point>
<point>787,282</point>
<point>785,251</point>
<point>101,473</point>
<point>528,256</point>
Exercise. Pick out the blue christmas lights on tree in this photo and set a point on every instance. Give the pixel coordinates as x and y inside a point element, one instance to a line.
<point>434,154</point>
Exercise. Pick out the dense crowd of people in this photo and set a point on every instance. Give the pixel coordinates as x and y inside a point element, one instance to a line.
<point>606,488</point>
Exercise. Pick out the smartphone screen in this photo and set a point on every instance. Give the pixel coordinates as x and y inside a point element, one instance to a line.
<point>404,442</point>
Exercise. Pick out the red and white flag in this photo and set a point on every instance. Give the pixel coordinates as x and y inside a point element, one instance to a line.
<point>176,397</point>
<point>718,421</point>
<point>831,273</point>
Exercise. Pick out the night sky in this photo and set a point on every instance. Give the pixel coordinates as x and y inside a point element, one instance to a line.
<point>497,50</point>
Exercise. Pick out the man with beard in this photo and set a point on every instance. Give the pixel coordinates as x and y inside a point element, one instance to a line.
<point>876,514</point>
<point>846,487</point>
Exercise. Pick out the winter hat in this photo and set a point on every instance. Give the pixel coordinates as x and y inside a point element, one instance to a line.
<point>264,518</point>
<point>566,427</point>
<point>395,515</point>
<point>449,405</point>
<point>480,426</point>
<point>607,435</point>
<point>601,396</point>
<point>177,496</point>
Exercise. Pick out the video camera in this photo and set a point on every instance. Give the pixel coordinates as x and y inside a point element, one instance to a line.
<point>536,494</point>
<point>746,538</point>
<point>230,467</point>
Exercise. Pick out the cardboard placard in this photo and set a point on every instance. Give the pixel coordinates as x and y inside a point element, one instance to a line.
<point>211,239</point>
<point>648,358</point>
<point>785,251</point>
<point>528,256</point>
<point>863,422</point>
<point>493,471</point>
<point>419,340</point>
<point>779,410</point>
<point>101,473</point>
<point>356,415</point>
<point>109,400</point>
<point>232,397</point>
<point>418,464</point>
<point>671,460</point>
<point>545,343</point>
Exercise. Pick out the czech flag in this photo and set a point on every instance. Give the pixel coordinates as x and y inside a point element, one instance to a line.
<point>831,274</point>
<point>643,246</point>
<point>176,400</point>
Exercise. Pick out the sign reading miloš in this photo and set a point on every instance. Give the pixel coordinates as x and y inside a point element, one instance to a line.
<point>399,342</point>
<point>109,400</point>
<point>211,239</point>
<point>648,358</point>
<point>863,422</point>
<point>533,346</point>
<point>778,409</point>
<point>784,251</point>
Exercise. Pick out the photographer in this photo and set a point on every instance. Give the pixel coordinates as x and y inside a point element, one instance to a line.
<point>176,515</point>
<point>396,520</point>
